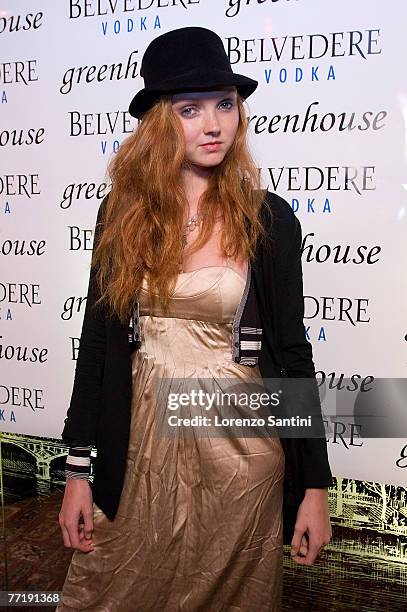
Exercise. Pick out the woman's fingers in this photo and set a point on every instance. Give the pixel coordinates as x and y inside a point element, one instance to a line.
<point>304,546</point>
<point>296,541</point>
<point>74,529</point>
<point>299,546</point>
<point>308,551</point>
<point>88,522</point>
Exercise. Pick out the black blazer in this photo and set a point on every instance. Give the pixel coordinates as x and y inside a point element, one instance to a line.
<point>100,408</point>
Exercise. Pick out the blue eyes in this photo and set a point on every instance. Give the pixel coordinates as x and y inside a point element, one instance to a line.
<point>191,107</point>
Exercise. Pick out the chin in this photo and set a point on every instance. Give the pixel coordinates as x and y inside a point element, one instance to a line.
<point>211,165</point>
<point>212,160</point>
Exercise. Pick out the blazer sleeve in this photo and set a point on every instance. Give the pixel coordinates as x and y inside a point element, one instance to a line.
<point>83,411</point>
<point>297,352</point>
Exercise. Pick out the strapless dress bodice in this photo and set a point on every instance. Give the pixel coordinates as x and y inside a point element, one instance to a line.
<point>210,294</point>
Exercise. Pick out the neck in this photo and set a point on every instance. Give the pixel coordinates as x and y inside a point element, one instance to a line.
<point>194,180</point>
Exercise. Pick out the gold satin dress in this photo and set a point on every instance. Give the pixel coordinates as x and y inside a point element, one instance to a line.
<point>199,525</point>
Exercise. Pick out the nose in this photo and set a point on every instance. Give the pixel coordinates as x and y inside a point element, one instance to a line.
<point>211,122</point>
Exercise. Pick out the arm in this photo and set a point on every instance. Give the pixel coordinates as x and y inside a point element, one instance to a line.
<point>312,528</point>
<point>81,421</point>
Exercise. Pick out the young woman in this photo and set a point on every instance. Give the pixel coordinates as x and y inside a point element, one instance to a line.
<point>196,280</point>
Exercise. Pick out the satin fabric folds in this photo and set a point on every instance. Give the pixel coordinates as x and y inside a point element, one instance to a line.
<point>199,526</point>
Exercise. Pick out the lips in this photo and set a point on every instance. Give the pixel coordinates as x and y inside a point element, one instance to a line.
<point>212,146</point>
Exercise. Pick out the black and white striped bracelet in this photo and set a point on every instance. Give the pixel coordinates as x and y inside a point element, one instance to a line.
<point>78,462</point>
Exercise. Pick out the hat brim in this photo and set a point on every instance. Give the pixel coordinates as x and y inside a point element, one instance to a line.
<point>145,98</point>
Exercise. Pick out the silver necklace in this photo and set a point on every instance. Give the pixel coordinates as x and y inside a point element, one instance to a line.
<point>190,226</point>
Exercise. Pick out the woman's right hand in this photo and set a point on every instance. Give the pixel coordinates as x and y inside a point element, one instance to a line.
<point>77,503</point>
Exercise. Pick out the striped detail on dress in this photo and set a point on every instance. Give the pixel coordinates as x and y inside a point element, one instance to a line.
<point>251,330</point>
<point>249,361</point>
<point>250,345</point>
<point>78,463</point>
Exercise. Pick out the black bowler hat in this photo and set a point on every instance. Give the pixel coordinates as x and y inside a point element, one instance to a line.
<point>186,59</point>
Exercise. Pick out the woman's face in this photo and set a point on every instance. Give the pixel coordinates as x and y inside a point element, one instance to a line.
<point>207,117</point>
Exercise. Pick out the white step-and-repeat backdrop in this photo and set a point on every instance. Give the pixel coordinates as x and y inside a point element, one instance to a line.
<point>327,128</point>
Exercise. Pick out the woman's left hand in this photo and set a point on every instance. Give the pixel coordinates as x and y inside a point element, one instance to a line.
<point>312,527</point>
